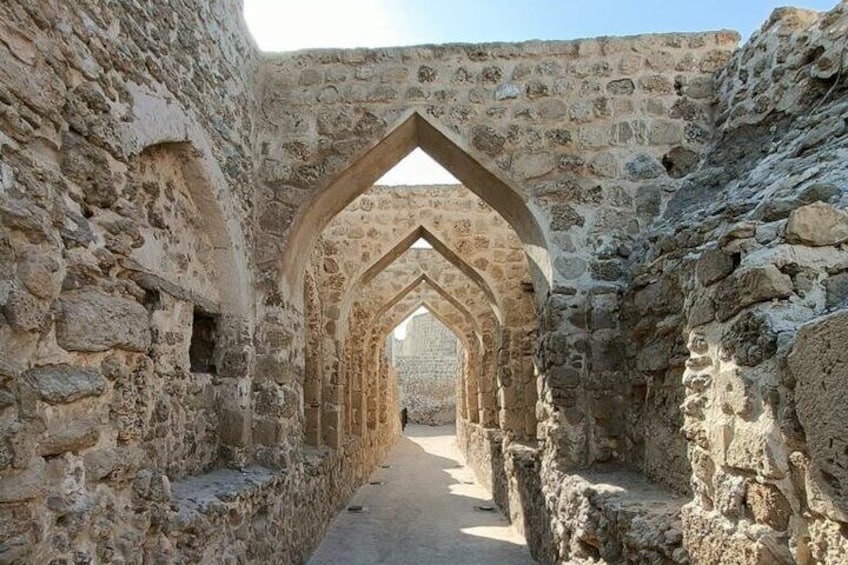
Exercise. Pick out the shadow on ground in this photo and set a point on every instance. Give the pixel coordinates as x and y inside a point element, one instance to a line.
<point>426,510</point>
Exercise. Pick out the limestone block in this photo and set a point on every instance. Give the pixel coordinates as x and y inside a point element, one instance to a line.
<point>235,427</point>
<point>24,311</point>
<point>750,286</point>
<point>819,364</point>
<point>564,217</point>
<point>101,462</point>
<point>768,505</point>
<point>713,265</point>
<point>60,384</point>
<point>644,167</point>
<point>817,224</point>
<point>23,485</point>
<point>91,320</point>
<point>712,538</point>
<point>128,460</point>
<point>750,445</point>
<point>828,543</point>
<point>72,434</point>
<point>487,140</point>
<point>41,275</point>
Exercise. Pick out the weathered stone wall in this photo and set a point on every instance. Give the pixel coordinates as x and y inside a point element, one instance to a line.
<point>427,361</point>
<point>118,157</point>
<point>682,212</point>
<point>580,130</point>
<point>747,253</point>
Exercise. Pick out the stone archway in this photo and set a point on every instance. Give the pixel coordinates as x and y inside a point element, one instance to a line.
<point>413,131</point>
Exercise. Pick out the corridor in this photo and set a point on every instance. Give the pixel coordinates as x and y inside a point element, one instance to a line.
<point>427,509</point>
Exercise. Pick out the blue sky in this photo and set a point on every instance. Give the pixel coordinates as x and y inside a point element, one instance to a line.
<point>283,25</point>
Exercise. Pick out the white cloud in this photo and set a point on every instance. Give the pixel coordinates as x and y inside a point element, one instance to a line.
<point>286,25</point>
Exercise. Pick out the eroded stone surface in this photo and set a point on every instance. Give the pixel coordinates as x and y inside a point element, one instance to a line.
<point>818,364</point>
<point>59,384</point>
<point>640,280</point>
<point>93,321</point>
<point>817,224</point>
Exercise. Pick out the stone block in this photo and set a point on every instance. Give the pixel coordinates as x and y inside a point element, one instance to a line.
<point>90,320</point>
<point>819,364</point>
<point>768,505</point>
<point>750,286</point>
<point>235,427</point>
<point>60,384</point>
<point>836,288</point>
<point>99,463</point>
<point>644,167</point>
<point>24,311</point>
<point>564,217</point>
<point>713,265</point>
<point>29,483</point>
<point>817,224</point>
<point>41,275</point>
<point>69,435</point>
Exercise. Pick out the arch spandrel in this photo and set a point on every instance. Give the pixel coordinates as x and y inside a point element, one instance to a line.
<point>413,130</point>
<point>409,268</point>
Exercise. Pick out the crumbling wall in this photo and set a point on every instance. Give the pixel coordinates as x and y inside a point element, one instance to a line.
<point>149,343</point>
<point>746,266</point>
<point>115,161</point>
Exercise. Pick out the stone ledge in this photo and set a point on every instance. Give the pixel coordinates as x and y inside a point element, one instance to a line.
<point>213,492</point>
<point>617,515</point>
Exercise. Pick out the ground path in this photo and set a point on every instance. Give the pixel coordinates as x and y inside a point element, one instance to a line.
<point>425,512</point>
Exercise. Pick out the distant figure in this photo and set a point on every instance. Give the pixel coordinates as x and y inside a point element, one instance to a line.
<point>404,418</point>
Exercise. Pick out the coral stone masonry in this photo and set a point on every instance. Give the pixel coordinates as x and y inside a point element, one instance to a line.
<point>643,272</point>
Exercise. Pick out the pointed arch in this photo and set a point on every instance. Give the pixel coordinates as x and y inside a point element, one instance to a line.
<point>396,251</point>
<point>386,329</point>
<point>474,371</point>
<point>440,247</point>
<point>424,281</point>
<point>414,130</point>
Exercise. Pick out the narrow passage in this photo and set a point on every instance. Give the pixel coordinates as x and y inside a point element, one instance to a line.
<point>426,511</point>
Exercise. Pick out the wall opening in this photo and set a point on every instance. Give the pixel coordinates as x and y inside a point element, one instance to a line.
<point>428,360</point>
<point>367,245</point>
<point>204,335</point>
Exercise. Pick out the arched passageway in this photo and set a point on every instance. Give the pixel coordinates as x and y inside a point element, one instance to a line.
<point>644,259</point>
<point>392,250</point>
<point>364,264</point>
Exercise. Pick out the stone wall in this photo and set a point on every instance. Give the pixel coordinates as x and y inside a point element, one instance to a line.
<point>759,276</point>
<point>656,236</point>
<point>427,361</point>
<point>118,157</point>
<point>580,130</point>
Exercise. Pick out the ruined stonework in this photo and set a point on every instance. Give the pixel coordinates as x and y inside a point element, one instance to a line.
<point>427,361</point>
<point>645,264</point>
